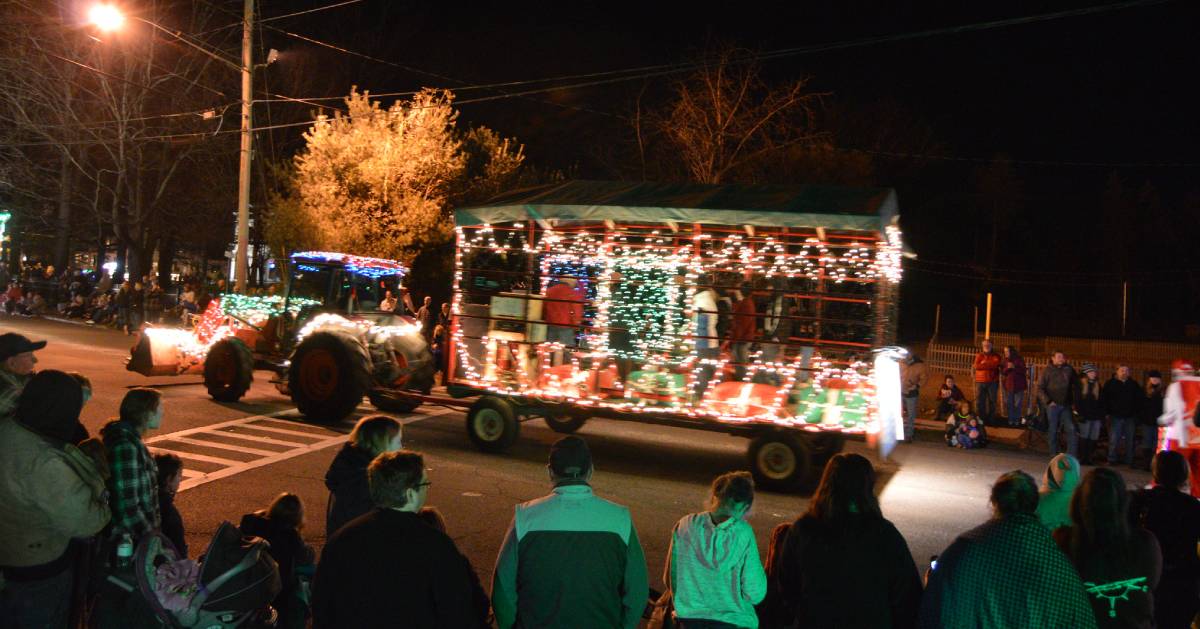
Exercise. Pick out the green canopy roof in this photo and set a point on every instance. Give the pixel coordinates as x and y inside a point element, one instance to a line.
<point>830,207</point>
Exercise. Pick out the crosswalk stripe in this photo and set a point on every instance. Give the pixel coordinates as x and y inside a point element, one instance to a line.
<point>282,431</point>
<point>259,439</point>
<point>224,446</point>
<point>198,457</point>
<point>211,427</point>
<point>206,437</point>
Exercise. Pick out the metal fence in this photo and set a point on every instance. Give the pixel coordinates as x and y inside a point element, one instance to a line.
<point>1096,349</point>
<point>958,360</point>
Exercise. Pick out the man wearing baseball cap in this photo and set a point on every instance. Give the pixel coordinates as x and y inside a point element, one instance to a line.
<point>16,368</point>
<point>580,562</point>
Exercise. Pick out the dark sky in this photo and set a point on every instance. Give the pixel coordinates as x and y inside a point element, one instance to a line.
<point>1112,87</point>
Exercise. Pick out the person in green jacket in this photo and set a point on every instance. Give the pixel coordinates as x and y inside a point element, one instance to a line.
<point>570,560</point>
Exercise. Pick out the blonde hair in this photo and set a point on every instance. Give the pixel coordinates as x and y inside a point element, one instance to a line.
<point>372,433</point>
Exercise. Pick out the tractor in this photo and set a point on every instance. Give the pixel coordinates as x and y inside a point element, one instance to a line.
<point>326,340</point>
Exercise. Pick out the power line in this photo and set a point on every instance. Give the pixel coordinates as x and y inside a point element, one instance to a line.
<point>667,69</point>
<point>324,8</point>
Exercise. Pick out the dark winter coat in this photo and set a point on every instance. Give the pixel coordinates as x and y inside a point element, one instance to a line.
<point>1140,562</point>
<point>349,495</point>
<point>1091,400</point>
<point>1122,398</point>
<point>1174,519</point>
<point>390,569</point>
<point>172,522</point>
<point>858,573</point>
<point>1058,384</point>
<point>1152,408</point>
<point>290,553</point>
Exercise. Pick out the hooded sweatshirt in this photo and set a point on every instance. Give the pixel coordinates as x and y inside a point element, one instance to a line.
<point>346,479</point>
<point>714,570</point>
<point>1058,484</point>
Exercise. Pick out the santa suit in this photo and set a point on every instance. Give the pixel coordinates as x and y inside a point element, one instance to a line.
<point>1179,430</point>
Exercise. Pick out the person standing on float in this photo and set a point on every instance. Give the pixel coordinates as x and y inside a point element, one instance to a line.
<point>1179,430</point>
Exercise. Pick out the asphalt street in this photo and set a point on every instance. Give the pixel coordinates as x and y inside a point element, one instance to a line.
<point>241,455</point>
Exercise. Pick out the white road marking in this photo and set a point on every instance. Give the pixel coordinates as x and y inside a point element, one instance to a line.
<point>202,437</point>
<point>224,446</point>
<point>198,457</point>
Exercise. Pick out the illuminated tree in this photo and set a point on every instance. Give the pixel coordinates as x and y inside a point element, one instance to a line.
<point>380,181</point>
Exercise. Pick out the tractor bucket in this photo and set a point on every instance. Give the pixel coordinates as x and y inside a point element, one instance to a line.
<point>158,353</point>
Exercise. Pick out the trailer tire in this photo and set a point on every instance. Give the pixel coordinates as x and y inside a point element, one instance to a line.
<point>228,370</point>
<point>329,375</point>
<point>492,424</point>
<point>565,423</point>
<point>390,404</point>
<point>780,460</point>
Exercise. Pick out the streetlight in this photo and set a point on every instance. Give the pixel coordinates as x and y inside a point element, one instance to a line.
<point>107,17</point>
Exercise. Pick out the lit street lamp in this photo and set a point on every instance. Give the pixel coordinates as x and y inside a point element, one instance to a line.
<point>107,17</point>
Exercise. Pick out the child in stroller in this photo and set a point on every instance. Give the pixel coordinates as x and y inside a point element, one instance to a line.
<point>232,588</point>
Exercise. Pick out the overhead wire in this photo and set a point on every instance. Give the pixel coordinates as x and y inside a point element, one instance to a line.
<point>667,69</point>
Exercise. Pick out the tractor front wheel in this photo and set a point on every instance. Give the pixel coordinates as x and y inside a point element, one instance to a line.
<point>228,370</point>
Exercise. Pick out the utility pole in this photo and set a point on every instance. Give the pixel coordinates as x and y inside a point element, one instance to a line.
<point>242,267</point>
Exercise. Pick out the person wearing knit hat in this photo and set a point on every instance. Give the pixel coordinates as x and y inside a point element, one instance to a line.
<point>581,564</point>
<point>51,493</point>
<point>1090,407</point>
<point>16,367</point>
<point>1147,420</point>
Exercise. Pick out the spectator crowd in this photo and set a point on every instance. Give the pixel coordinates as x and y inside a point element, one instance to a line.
<point>1077,407</point>
<point>1077,550</point>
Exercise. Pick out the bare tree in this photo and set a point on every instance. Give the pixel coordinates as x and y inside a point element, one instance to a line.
<point>725,120</point>
<point>106,118</point>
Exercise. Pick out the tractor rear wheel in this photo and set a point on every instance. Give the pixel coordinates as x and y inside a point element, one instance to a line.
<point>329,374</point>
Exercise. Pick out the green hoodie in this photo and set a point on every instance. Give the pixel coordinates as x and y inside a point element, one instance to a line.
<point>1058,484</point>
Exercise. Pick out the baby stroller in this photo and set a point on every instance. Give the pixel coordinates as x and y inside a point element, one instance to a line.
<point>232,588</point>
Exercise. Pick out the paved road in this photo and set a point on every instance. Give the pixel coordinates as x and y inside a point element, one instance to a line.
<point>239,456</point>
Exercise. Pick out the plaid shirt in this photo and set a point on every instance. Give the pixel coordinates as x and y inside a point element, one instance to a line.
<point>133,487</point>
<point>1005,573</point>
<point>11,386</point>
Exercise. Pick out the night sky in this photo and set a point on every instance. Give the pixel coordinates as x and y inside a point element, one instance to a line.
<point>1075,103</point>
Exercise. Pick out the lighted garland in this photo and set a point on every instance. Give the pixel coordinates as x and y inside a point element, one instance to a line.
<point>373,268</point>
<point>648,301</point>
<point>256,309</point>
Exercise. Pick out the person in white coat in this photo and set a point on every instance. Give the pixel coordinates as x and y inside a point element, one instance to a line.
<point>713,568</point>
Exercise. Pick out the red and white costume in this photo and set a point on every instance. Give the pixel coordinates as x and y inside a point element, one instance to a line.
<point>1179,431</point>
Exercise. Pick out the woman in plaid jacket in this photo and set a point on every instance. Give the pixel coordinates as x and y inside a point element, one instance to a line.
<point>133,486</point>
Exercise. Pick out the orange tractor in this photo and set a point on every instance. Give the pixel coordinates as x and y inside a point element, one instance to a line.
<point>326,340</point>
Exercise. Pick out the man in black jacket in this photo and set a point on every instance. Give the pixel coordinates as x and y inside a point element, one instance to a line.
<point>388,568</point>
<point>1058,390</point>
<point>1122,400</point>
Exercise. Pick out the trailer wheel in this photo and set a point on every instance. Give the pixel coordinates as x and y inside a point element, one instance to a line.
<point>390,403</point>
<point>492,424</point>
<point>329,375</point>
<point>565,423</point>
<point>228,370</point>
<point>780,460</point>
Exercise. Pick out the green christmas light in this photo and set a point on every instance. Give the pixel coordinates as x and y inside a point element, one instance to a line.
<point>255,310</point>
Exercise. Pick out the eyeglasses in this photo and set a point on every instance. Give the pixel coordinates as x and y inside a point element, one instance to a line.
<point>425,483</point>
